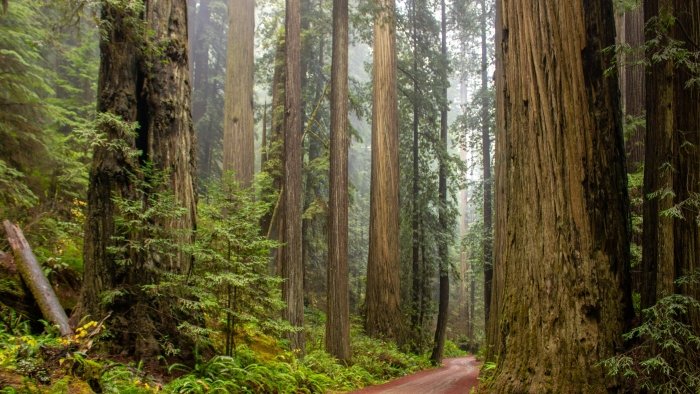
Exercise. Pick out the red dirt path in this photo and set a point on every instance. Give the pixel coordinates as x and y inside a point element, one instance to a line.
<point>456,376</point>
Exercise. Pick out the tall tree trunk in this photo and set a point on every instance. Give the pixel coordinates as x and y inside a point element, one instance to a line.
<point>417,276</point>
<point>292,264</point>
<point>200,61</point>
<point>201,87</point>
<point>494,340</point>
<point>634,92</point>
<point>444,300</point>
<point>487,243</point>
<point>271,223</point>
<point>443,303</point>
<point>239,134</point>
<point>338,323</point>
<point>671,170</point>
<point>562,238</point>
<point>151,88</point>
<point>383,287</point>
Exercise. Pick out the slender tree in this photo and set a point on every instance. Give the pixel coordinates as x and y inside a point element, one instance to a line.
<point>292,263</point>
<point>151,88</point>
<point>338,320</point>
<point>239,134</point>
<point>383,287</point>
<point>487,240</point>
<point>562,238</point>
<point>633,88</point>
<point>671,169</point>
<point>443,255</point>
<point>417,277</point>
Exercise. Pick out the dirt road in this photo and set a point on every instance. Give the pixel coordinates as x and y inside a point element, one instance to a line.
<point>457,375</point>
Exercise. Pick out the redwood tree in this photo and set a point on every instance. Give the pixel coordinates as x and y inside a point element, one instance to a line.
<point>671,168</point>
<point>562,238</point>
<point>382,299</point>
<point>292,264</point>
<point>338,320</point>
<point>443,254</point>
<point>149,87</point>
<point>239,148</point>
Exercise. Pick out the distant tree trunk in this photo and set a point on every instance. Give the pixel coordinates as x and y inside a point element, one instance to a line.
<point>491,322</point>
<point>472,306</point>
<point>239,134</point>
<point>444,300</point>
<point>338,323</point>
<point>634,88</point>
<point>487,243</point>
<point>263,138</point>
<point>416,274</point>
<point>292,264</point>
<point>562,235</point>
<point>383,287</point>
<point>201,87</point>
<point>671,169</point>
<point>271,223</point>
<point>151,88</point>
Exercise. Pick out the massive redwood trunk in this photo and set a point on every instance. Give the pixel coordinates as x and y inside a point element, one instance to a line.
<point>562,238</point>
<point>383,289</point>
<point>150,87</point>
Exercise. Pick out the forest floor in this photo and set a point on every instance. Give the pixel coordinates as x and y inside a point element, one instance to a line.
<point>457,375</point>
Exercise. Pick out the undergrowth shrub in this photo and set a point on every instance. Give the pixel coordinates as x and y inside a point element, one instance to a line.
<point>665,357</point>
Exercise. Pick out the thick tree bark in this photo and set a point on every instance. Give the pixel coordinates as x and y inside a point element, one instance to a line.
<point>562,237</point>
<point>338,323</point>
<point>383,288</point>
<point>239,134</point>
<point>671,170</point>
<point>444,298</point>
<point>151,88</point>
<point>292,263</point>
<point>32,274</point>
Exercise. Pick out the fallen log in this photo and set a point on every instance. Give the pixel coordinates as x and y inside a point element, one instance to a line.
<point>30,271</point>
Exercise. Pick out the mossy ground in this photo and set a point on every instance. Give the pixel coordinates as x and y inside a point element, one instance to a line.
<point>49,364</point>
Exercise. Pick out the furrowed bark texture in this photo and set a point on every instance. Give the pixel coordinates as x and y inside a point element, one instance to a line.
<point>239,134</point>
<point>338,323</point>
<point>150,87</point>
<point>383,289</point>
<point>672,167</point>
<point>292,263</point>
<point>562,233</point>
